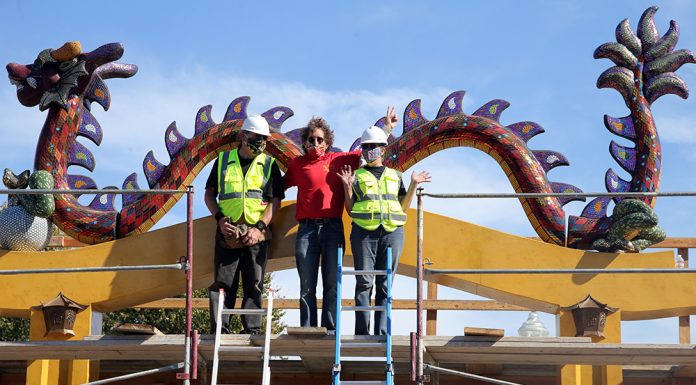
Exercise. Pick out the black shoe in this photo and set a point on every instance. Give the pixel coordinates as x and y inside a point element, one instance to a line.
<point>252,331</point>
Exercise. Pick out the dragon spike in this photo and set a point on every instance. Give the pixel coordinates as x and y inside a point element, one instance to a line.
<point>525,130</point>
<point>663,84</point>
<point>79,155</point>
<point>130,183</point>
<point>237,109</point>
<point>413,117</point>
<point>558,187</point>
<point>90,128</point>
<point>625,36</point>
<point>203,119</point>
<point>550,159</point>
<point>452,104</point>
<point>493,109</point>
<point>625,156</point>
<point>381,122</point>
<point>666,44</point>
<point>153,169</point>
<point>670,62</point>
<point>597,208</point>
<point>174,140</point>
<point>98,91</point>
<point>647,32</point>
<point>616,184</point>
<point>618,53</point>
<point>104,201</point>
<point>622,127</point>
<point>295,136</point>
<point>355,145</point>
<point>80,182</point>
<point>276,116</point>
<point>116,70</point>
<point>618,78</point>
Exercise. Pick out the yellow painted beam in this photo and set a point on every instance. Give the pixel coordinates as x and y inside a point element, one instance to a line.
<point>449,244</point>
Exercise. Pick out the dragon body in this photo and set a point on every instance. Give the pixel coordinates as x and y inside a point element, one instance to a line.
<point>66,82</point>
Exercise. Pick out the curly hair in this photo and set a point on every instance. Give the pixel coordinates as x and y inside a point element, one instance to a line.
<point>318,123</point>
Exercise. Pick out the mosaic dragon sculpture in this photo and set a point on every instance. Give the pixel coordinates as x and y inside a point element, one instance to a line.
<point>66,82</point>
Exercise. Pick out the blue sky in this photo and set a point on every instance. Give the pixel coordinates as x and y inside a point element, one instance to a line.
<point>347,61</point>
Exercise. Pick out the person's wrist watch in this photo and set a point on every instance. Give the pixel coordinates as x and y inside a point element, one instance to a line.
<point>219,215</point>
<point>261,225</point>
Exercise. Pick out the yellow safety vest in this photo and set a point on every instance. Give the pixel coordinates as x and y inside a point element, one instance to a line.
<point>242,194</point>
<point>377,201</point>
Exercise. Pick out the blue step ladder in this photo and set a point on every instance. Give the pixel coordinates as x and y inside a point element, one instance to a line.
<point>389,364</point>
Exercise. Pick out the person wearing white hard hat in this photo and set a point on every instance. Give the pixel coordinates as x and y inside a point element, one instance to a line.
<point>377,201</point>
<point>319,213</point>
<point>243,192</point>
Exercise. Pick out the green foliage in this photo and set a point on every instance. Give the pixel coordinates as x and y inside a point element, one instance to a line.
<point>14,329</point>
<point>173,321</point>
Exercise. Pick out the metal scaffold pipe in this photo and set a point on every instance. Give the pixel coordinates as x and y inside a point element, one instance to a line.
<point>559,271</point>
<point>173,266</point>
<point>565,195</point>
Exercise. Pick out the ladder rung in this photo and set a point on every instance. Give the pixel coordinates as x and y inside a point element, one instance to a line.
<point>364,308</point>
<point>358,345</point>
<point>242,349</point>
<point>362,382</point>
<point>364,272</point>
<point>245,311</point>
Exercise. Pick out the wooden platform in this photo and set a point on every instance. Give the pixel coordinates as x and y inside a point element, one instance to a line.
<point>317,350</point>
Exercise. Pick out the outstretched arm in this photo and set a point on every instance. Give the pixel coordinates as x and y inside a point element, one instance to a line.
<point>416,179</point>
<point>347,177</point>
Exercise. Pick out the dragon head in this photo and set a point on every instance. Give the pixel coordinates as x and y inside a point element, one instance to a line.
<point>58,74</point>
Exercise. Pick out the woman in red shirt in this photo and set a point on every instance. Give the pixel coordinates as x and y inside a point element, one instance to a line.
<point>320,202</point>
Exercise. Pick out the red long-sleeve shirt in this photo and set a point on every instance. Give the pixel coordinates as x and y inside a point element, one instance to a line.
<point>319,188</point>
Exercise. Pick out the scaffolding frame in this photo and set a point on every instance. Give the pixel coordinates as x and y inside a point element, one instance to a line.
<point>417,347</point>
<point>190,364</point>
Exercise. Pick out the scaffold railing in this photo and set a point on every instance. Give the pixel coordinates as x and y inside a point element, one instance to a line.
<point>185,263</point>
<point>417,347</point>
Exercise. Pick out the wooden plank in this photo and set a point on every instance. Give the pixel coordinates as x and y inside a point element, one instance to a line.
<point>431,315</point>
<point>684,321</point>
<point>471,331</point>
<point>307,331</point>
<point>398,304</point>
<point>459,349</point>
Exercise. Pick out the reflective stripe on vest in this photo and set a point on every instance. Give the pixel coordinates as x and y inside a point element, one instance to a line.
<point>240,193</point>
<point>376,201</point>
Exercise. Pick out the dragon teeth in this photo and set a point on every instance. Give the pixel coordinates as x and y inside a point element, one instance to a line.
<point>32,82</point>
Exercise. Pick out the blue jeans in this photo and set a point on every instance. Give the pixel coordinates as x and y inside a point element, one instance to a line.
<point>370,253</point>
<point>318,242</point>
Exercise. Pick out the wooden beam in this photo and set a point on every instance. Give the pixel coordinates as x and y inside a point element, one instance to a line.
<point>399,304</point>
<point>684,321</point>
<point>459,349</point>
<point>431,315</point>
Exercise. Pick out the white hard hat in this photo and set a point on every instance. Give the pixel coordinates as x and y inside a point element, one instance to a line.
<point>374,134</point>
<point>256,124</point>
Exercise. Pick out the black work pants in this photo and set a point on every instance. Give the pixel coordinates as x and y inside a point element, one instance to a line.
<point>249,263</point>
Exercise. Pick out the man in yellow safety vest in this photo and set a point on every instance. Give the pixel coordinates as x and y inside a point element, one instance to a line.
<point>243,192</point>
<point>377,201</point>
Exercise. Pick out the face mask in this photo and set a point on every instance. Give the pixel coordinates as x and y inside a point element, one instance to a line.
<point>316,152</point>
<point>256,146</point>
<point>373,155</point>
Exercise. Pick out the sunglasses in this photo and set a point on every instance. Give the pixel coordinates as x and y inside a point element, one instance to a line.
<point>370,146</point>
<point>255,137</point>
<point>315,140</point>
